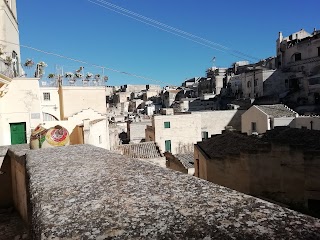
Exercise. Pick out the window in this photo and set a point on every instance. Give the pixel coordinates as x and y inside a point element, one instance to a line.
<point>166,124</point>
<point>297,56</point>
<point>204,135</point>
<point>100,139</point>
<point>286,83</point>
<point>167,145</point>
<point>46,96</point>
<point>256,82</point>
<point>253,126</point>
<point>249,84</point>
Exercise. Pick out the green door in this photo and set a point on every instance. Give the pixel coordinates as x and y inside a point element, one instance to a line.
<point>18,133</point>
<point>168,145</point>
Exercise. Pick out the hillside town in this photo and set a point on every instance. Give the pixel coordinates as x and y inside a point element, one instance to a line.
<point>250,127</point>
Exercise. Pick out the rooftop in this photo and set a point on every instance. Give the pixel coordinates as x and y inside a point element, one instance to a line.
<point>308,139</point>
<point>228,143</point>
<point>277,110</point>
<point>232,142</point>
<point>186,159</point>
<point>140,150</point>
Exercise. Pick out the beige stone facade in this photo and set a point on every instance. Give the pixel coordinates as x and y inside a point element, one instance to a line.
<point>281,172</point>
<point>260,118</point>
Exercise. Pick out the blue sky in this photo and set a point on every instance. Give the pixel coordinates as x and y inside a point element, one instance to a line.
<point>86,31</point>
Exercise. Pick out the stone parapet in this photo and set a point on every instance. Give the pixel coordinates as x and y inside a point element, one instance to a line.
<point>85,192</point>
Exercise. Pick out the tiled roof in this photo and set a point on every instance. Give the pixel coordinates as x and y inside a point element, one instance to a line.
<point>186,159</point>
<point>277,110</point>
<point>232,143</point>
<point>228,143</point>
<point>305,138</point>
<point>140,150</point>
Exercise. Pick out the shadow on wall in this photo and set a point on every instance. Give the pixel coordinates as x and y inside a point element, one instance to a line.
<point>235,122</point>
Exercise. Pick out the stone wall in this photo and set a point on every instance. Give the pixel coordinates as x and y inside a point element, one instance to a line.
<point>214,122</point>
<point>112,196</point>
<point>6,199</point>
<point>280,172</point>
<point>136,131</point>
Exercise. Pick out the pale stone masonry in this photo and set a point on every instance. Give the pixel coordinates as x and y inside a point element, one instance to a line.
<point>85,192</point>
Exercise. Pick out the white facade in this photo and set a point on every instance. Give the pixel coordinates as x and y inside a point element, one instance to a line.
<point>96,132</point>
<point>21,104</point>
<point>9,32</point>
<point>136,131</point>
<point>184,130</point>
<point>50,104</point>
<point>175,133</point>
<point>73,99</point>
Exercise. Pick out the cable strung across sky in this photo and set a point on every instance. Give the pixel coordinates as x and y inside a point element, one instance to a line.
<point>85,62</point>
<point>173,30</point>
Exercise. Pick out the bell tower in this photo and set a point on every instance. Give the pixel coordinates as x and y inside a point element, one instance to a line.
<point>10,60</point>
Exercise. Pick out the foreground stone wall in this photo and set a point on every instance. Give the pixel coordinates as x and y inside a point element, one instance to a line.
<point>84,192</point>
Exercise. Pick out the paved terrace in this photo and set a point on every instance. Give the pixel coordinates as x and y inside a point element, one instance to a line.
<point>85,192</point>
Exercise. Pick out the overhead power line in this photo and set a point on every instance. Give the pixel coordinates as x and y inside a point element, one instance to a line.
<point>172,30</point>
<point>85,62</point>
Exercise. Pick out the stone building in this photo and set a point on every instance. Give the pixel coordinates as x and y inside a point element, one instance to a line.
<point>260,118</point>
<point>299,54</point>
<point>177,133</point>
<point>283,165</point>
<point>136,130</point>
<point>169,96</point>
<point>308,122</point>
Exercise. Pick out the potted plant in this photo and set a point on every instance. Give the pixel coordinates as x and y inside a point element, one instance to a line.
<point>42,64</point>
<point>97,76</point>
<point>68,75</point>
<point>89,75</point>
<point>78,75</point>
<point>28,63</point>
<point>51,75</point>
<point>7,61</point>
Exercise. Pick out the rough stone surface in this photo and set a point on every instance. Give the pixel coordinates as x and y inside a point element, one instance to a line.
<point>84,192</point>
<point>3,150</point>
<point>11,226</point>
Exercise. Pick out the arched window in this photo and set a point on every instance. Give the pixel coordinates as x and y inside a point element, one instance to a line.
<point>249,84</point>
<point>48,117</point>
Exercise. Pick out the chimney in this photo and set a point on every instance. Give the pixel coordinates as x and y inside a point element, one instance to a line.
<point>280,37</point>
